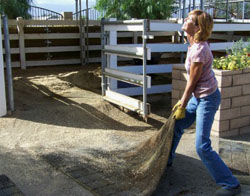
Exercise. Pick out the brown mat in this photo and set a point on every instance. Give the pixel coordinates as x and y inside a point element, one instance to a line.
<point>148,161</point>
<point>135,172</point>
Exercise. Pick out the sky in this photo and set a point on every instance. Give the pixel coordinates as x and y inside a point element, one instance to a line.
<point>61,5</point>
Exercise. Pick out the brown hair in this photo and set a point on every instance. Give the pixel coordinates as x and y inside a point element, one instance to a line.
<point>205,23</point>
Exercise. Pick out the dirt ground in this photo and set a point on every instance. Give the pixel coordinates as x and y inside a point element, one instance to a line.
<point>60,111</point>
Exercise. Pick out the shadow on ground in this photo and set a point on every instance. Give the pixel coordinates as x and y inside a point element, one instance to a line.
<point>33,98</point>
<point>187,177</point>
<point>98,169</point>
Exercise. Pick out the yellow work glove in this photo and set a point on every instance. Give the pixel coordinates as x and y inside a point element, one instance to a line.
<point>176,105</point>
<point>179,112</point>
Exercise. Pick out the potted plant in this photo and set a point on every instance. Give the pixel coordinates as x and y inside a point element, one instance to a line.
<point>236,59</point>
<point>233,75</point>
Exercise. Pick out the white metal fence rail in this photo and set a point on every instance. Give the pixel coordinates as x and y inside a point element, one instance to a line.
<point>110,73</point>
<point>23,50</point>
<point>109,63</point>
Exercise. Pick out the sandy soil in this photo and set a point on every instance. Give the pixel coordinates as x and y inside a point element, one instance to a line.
<point>61,118</point>
<point>60,110</point>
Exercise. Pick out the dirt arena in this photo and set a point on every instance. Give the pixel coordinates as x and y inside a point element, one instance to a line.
<point>60,117</point>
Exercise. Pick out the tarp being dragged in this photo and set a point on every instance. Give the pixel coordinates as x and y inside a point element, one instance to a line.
<point>135,172</point>
<point>147,162</point>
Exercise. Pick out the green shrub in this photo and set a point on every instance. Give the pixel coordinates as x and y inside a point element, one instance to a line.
<point>237,58</point>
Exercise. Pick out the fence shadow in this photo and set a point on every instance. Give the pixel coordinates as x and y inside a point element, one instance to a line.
<point>36,102</point>
<point>182,179</point>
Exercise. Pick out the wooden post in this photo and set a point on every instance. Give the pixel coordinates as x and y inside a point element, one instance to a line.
<point>3,107</point>
<point>20,24</point>
<point>67,15</point>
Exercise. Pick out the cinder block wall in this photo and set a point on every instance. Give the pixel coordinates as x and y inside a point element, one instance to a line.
<point>233,116</point>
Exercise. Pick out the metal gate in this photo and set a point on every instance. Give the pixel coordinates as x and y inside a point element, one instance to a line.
<point>137,75</point>
<point>110,73</point>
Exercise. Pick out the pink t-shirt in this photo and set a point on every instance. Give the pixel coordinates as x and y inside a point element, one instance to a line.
<point>207,83</point>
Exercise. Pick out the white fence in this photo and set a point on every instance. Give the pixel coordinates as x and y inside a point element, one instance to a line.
<point>142,51</point>
<point>122,30</point>
<point>23,51</point>
<point>162,26</point>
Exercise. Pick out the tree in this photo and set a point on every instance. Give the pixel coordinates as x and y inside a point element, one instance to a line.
<point>140,9</point>
<point>15,8</point>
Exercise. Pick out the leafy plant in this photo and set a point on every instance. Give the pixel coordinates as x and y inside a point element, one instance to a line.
<point>15,8</point>
<point>237,58</point>
<point>140,9</point>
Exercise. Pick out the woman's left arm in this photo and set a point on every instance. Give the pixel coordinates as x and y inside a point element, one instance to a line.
<point>194,75</point>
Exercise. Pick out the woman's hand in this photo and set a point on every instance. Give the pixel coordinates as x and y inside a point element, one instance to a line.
<point>179,111</point>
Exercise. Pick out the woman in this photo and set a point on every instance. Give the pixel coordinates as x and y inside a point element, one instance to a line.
<point>204,102</point>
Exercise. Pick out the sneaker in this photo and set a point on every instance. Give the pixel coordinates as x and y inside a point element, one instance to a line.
<point>228,192</point>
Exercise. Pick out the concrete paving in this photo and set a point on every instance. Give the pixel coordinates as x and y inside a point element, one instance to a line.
<point>34,177</point>
<point>189,171</point>
<point>235,152</point>
<point>236,155</point>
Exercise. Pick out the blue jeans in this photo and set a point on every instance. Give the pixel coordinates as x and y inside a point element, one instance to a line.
<point>203,110</point>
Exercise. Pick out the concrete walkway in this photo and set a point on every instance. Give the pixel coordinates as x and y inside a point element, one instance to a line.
<point>189,171</point>
<point>236,154</point>
<point>34,177</point>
